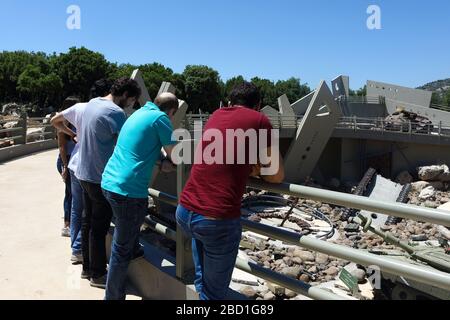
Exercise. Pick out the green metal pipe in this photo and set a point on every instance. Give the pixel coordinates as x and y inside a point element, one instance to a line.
<point>421,274</point>
<point>286,282</point>
<point>161,229</point>
<point>357,202</point>
<point>252,268</point>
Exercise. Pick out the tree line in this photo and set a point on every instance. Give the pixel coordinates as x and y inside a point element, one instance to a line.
<point>47,79</point>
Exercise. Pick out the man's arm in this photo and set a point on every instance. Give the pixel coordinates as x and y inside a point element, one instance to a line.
<point>60,123</point>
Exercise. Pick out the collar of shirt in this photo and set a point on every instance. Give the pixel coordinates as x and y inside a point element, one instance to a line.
<point>151,106</point>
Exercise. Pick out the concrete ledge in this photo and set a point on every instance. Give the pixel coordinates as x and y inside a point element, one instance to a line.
<point>14,152</point>
<point>153,276</point>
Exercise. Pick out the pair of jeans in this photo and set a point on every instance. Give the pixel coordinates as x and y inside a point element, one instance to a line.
<point>68,193</point>
<point>215,246</point>
<point>96,222</point>
<point>76,215</point>
<point>129,214</point>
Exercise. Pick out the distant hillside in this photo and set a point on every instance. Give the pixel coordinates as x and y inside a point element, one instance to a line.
<point>440,85</point>
<point>441,91</point>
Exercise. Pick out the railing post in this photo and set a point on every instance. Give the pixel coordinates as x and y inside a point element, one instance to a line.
<point>440,128</point>
<point>354,123</point>
<point>184,260</point>
<point>22,124</point>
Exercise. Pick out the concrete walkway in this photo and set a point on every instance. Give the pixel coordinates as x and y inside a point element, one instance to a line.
<point>34,258</point>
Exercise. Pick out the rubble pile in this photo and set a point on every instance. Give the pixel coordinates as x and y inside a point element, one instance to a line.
<point>400,120</point>
<point>318,269</point>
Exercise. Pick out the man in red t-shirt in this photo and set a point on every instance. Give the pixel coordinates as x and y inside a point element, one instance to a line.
<point>234,143</point>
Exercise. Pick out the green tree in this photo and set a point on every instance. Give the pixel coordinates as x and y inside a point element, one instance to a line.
<point>154,75</point>
<point>12,65</point>
<point>361,92</point>
<point>36,86</point>
<point>447,98</point>
<point>179,82</point>
<point>436,98</point>
<point>202,87</point>
<point>118,71</point>
<point>292,88</point>
<point>79,69</point>
<point>268,92</point>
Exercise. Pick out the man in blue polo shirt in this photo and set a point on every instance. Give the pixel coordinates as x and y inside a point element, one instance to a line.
<point>126,178</point>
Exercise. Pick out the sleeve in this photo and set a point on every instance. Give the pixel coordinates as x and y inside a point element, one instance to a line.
<point>117,121</point>
<point>164,129</point>
<point>70,114</point>
<point>266,125</point>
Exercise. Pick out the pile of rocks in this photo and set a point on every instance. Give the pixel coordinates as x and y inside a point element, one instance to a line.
<point>401,119</point>
<point>319,269</point>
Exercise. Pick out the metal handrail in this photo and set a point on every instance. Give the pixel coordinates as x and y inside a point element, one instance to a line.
<point>47,134</point>
<point>10,130</point>
<point>419,273</point>
<point>11,138</point>
<point>253,268</point>
<point>360,123</point>
<point>356,202</point>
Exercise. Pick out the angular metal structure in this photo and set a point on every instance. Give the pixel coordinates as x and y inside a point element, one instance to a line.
<point>314,131</point>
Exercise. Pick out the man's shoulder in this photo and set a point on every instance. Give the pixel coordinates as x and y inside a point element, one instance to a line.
<point>76,108</point>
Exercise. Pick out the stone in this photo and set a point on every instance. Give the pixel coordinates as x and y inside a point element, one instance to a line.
<point>445,232</point>
<point>11,125</point>
<point>288,261</point>
<point>438,185</point>
<point>35,134</point>
<point>431,173</point>
<point>359,274</point>
<point>249,292</point>
<point>297,260</point>
<point>313,269</point>
<point>419,185</point>
<point>290,294</point>
<point>305,278</point>
<point>404,177</point>
<point>427,193</point>
<point>331,271</point>
<point>292,272</point>
<point>321,258</point>
<point>276,289</point>
<point>304,255</point>
<point>430,204</point>
<point>269,296</point>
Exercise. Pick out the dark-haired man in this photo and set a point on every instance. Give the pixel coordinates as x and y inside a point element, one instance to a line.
<point>103,119</point>
<point>210,203</point>
<point>79,231</point>
<point>126,179</point>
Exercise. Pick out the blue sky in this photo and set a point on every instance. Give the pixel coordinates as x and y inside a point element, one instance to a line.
<point>275,39</point>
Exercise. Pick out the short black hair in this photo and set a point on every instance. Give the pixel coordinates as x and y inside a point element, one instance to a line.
<point>127,85</point>
<point>245,94</point>
<point>101,88</point>
<point>69,102</point>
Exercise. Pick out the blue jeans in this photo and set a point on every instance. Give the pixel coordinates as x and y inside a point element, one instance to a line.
<point>68,193</point>
<point>129,214</point>
<point>215,246</point>
<point>76,214</point>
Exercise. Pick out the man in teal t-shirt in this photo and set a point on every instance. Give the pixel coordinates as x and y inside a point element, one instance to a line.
<point>126,178</point>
